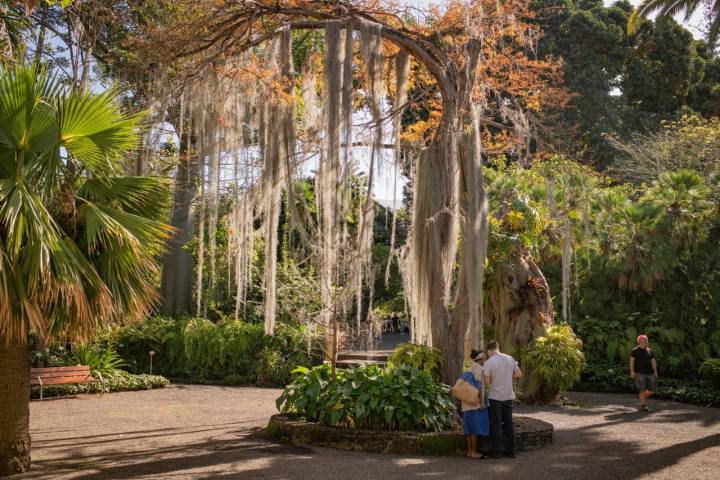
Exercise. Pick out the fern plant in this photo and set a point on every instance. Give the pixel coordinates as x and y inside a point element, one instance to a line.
<point>710,372</point>
<point>101,360</point>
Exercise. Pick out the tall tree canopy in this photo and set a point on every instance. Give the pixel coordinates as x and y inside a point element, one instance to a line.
<point>622,83</point>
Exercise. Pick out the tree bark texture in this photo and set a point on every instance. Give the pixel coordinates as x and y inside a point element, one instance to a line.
<point>520,300</point>
<point>14,408</point>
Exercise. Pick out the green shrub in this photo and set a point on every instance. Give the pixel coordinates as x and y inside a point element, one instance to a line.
<point>287,349</point>
<point>158,334</point>
<point>710,372</point>
<point>228,351</point>
<point>616,379</point>
<point>102,360</point>
<point>421,357</point>
<point>553,363</point>
<point>303,397</point>
<point>116,381</point>
<point>399,398</point>
<point>272,368</point>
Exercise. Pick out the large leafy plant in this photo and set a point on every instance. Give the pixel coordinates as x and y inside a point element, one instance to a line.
<point>399,398</point>
<point>709,371</point>
<point>554,362</point>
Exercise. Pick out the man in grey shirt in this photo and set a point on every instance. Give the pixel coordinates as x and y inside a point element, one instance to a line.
<point>500,371</point>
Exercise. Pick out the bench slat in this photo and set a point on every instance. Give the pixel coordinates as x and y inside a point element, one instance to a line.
<point>44,370</point>
<point>60,374</point>
<point>63,380</point>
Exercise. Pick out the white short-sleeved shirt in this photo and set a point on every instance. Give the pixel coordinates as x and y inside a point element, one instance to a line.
<point>500,369</point>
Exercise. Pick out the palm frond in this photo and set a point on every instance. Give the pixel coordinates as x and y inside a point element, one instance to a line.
<point>103,267</point>
<point>95,132</point>
<point>147,197</point>
<point>714,28</point>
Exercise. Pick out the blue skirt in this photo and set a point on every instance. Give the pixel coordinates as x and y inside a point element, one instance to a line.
<point>476,422</point>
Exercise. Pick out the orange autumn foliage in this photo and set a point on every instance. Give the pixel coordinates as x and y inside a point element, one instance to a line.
<point>193,34</point>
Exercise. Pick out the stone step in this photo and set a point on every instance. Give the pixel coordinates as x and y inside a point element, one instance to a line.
<point>370,356</point>
<point>358,363</point>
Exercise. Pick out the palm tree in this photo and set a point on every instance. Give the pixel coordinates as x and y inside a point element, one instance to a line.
<point>11,23</point>
<point>670,8</point>
<point>78,243</point>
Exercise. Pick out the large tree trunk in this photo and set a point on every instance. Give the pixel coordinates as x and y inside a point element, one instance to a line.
<point>469,301</point>
<point>454,153</point>
<point>521,305</point>
<point>435,246</point>
<point>177,275</point>
<point>14,408</point>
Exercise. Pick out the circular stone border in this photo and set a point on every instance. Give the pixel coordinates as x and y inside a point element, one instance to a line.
<point>530,433</point>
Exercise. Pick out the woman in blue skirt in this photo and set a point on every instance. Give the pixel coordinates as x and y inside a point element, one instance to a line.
<point>476,421</point>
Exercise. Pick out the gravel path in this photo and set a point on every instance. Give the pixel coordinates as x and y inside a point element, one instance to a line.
<point>185,431</point>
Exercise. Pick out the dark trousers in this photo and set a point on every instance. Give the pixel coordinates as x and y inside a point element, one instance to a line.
<point>502,431</point>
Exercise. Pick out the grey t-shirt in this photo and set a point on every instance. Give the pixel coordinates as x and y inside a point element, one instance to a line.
<point>500,369</point>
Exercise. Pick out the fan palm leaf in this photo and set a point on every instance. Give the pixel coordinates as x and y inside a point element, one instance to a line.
<point>72,270</point>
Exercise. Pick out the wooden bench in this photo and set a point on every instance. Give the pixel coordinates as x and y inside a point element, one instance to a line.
<point>60,376</point>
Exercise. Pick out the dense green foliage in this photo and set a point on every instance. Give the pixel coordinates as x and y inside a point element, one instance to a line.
<point>553,362</point>
<point>709,371</point>
<point>399,398</point>
<point>616,379</point>
<point>421,357</point>
<point>622,83</point>
<point>228,351</point>
<point>646,258</point>
<point>117,381</point>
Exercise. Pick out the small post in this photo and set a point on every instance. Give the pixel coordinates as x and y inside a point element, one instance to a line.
<point>152,354</point>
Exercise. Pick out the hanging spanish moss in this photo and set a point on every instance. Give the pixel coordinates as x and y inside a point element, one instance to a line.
<point>201,241</point>
<point>407,269</point>
<point>215,151</point>
<point>372,56</point>
<point>402,71</point>
<point>566,266</point>
<point>475,238</point>
<point>277,146</point>
<point>327,188</point>
<point>347,98</point>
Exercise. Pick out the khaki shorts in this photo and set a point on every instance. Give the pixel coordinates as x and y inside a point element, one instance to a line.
<point>643,382</point>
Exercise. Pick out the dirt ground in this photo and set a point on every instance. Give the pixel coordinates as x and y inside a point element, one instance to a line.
<point>185,432</point>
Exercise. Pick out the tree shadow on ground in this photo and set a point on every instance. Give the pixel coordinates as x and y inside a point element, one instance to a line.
<point>247,454</point>
<point>135,435</point>
<point>625,410</point>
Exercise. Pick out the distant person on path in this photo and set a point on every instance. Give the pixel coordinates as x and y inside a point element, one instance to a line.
<point>395,324</point>
<point>475,418</point>
<point>643,369</point>
<point>500,371</point>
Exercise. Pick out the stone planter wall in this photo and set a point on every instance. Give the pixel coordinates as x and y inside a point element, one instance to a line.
<point>530,433</point>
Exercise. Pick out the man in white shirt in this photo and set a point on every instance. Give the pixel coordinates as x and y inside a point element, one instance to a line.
<point>500,371</point>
